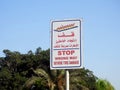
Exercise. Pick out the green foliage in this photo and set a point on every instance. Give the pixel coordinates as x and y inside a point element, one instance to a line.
<point>82,78</point>
<point>104,85</point>
<point>31,71</point>
<point>41,84</point>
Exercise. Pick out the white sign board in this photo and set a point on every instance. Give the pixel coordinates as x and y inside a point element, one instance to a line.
<point>66,44</point>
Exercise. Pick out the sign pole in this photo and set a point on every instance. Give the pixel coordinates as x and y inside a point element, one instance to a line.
<point>67,79</point>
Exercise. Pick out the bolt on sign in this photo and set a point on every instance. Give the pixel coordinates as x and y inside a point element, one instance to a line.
<point>66,44</point>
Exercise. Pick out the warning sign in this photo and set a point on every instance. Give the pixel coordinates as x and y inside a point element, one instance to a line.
<point>66,44</point>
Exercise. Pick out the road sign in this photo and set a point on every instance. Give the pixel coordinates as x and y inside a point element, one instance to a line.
<point>66,50</point>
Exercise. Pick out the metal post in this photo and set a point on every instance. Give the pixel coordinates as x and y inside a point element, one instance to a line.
<point>67,80</point>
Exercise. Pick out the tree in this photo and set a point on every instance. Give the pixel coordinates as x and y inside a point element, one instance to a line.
<point>38,50</point>
<point>32,71</point>
<point>104,85</point>
<point>82,79</point>
<point>7,52</point>
<point>30,52</point>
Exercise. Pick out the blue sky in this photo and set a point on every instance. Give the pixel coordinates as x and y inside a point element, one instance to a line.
<point>25,25</point>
